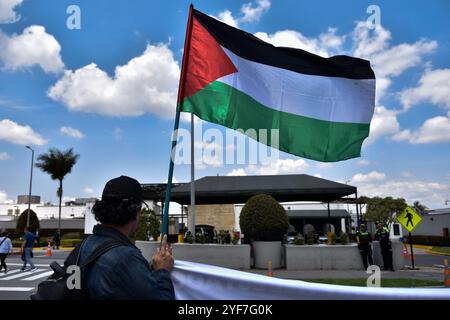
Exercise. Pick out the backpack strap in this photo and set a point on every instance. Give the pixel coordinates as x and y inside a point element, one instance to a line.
<point>100,250</point>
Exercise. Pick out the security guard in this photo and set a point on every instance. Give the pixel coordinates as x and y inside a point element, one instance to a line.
<point>382,235</point>
<point>364,240</point>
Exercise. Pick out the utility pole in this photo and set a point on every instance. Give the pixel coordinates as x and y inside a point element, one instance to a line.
<point>31,182</point>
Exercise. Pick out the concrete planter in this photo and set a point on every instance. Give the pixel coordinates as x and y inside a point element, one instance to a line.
<point>323,257</point>
<point>336,257</point>
<point>397,254</point>
<point>265,251</point>
<point>222,255</point>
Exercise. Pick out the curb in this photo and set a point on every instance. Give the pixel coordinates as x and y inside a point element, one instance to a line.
<point>438,253</point>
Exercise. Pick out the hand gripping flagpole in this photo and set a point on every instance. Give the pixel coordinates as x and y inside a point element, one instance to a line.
<point>187,44</point>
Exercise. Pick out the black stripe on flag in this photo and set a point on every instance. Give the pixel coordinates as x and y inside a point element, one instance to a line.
<point>249,47</point>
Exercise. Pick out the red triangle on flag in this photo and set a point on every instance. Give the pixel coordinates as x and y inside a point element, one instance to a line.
<point>207,61</point>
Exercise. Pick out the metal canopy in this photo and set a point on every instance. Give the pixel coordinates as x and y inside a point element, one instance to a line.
<point>238,189</point>
<point>334,213</point>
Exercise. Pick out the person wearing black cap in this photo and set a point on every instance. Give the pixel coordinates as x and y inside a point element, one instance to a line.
<point>364,240</point>
<point>122,272</point>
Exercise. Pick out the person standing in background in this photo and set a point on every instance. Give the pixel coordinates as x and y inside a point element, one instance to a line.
<point>5,249</point>
<point>364,240</point>
<point>27,250</point>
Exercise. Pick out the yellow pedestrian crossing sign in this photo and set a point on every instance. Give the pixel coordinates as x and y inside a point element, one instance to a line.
<point>409,219</point>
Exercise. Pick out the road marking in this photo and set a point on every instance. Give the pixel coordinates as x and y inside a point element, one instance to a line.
<point>41,275</point>
<point>22,274</point>
<point>10,272</point>
<point>15,289</point>
<point>36,264</point>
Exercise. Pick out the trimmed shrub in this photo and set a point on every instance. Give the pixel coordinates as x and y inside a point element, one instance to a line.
<point>344,238</point>
<point>331,238</point>
<point>429,240</point>
<point>311,238</point>
<point>22,221</point>
<point>299,240</point>
<point>263,219</point>
<point>72,235</point>
<point>70,242</point>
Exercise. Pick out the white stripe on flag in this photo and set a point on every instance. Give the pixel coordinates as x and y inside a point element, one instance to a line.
<point>41,275</point>
<point>15,289</point>
<point>20,275</point>
<point>319,97</point>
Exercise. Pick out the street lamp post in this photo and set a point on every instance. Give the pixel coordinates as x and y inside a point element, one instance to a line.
<point>31,182</point>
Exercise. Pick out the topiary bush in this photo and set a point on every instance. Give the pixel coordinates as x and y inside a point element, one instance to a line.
<point>331,238</point>
<point>22,222</point>
<point>299,240</point>
<point>344,238</point>
<point>263,219</point>
<point>311,239</point>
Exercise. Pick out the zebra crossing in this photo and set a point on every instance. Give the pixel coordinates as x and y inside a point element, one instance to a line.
<point>17,274</point>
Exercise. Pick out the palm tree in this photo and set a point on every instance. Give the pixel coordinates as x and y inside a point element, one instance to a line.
<point>57,164</point>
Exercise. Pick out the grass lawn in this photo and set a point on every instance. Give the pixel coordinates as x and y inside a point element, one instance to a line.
<point>398,283</point>
<point>441,250</point>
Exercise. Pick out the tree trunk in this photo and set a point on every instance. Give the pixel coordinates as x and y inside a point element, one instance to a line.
<point>60,191</point>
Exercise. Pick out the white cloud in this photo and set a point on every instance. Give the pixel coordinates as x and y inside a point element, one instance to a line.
<point>363,162</point>
<point>280,166</point>
<point>434,87</point>
<point>369,177</point>
<point>4,156</point>
<point>237,172</point>
<point>88,190</point>
<point>34,47</point>
<point>7,13</point>
<point>19,134</point>
<point>250,12</point>
<point>4,197</point>
<point>387,61</point>
<point>227,17</point>
<point>325,45</point>
<point>434,130</point>
<point>384,122</point>
<point>146,84</point>
<point>253,12</point>
<point>432,194</point>
<point>72,132</point>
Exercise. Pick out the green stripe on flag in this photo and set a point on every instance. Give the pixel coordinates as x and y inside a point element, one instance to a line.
<point>305,137</point>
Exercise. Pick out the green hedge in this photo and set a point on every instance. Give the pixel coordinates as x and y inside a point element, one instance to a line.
<point>429,240</point>
<point>70,242</point>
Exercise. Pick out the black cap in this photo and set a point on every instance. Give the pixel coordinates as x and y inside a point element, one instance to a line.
<point>122,188</point>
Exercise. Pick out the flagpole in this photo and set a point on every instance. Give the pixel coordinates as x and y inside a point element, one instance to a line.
<point>192,226</point>
<point>187,44</point>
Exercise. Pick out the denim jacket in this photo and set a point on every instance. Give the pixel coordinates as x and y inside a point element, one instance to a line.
<point>122,273</point>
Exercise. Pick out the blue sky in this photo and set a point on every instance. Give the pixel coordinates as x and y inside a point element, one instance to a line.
<point>60,88</point>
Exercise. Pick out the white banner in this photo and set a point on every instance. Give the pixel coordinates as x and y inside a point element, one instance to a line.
<point>195,281</point>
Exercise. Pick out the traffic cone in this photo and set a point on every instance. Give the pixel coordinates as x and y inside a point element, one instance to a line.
<point>405,250</point>
<point>269,269</point>
<point>49,250</point>
<point>446,274</point>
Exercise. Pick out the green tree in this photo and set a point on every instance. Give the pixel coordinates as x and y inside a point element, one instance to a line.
<point>148,226</point>
<point>57,164</point>
<point>383,210</point>
<point>419,207</point>
<point>22,221</point>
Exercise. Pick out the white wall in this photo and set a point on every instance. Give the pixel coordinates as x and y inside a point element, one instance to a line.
<point>46,211</point>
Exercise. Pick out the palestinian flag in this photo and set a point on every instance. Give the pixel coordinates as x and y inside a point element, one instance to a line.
<point>321,106</point>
